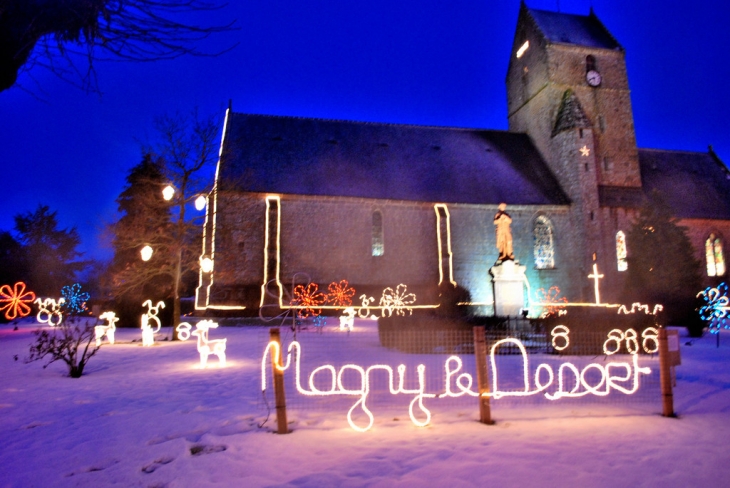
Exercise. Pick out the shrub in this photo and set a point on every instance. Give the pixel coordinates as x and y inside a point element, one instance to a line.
<point>69,342</point>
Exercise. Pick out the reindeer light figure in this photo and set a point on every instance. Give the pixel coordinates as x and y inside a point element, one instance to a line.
<point>148,335</point>
<point>347,320</point>
<point>207,347</point>
<point>108,329</point>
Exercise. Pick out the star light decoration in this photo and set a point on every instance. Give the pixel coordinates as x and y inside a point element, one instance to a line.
<point>714,312</point>
<point>397,300</point>
<point>340,294</point>
<point>75,298</point>
<point>310,298</point>
<point>549,301</point>
<point>15,301</point>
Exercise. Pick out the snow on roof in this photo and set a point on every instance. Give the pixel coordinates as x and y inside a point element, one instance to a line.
<point>306,156</point>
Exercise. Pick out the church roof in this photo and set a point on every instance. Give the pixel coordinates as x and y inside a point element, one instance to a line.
<point>696,185</point>
<point>582,30</point>
<point>304,156</point>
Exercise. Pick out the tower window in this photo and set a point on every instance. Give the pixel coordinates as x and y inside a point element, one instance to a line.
<point>590,63</point>
<point>621,253</point>
<point>714,256</point>
<point>378,244</point>
<point>602,123</point>
<point>544,245</point>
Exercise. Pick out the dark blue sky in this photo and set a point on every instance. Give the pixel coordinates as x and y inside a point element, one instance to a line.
<point>425,62</point>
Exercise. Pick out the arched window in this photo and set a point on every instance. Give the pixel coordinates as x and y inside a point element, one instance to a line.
<point>590,63</point>
<point>544,250</point>
<point>621,253</point>
<point>714,256</point>
<point>378,243</point>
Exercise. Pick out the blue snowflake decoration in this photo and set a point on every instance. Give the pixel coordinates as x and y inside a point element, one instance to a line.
<point>320,321</point>
<point>714,312</point>
<point>75,298</point>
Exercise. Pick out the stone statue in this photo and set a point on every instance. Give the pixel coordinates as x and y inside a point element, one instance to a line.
<point>502,222</point>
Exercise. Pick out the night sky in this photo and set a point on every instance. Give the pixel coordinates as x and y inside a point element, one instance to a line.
<point>426,62</point>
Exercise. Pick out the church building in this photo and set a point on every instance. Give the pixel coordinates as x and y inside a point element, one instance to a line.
<point>299,200</point>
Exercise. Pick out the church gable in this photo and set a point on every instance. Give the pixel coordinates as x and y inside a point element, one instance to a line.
<point>300,156</point>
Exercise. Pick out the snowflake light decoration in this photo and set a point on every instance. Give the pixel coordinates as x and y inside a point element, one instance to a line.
<point>397,300</point>
<point>714,312</point>
<point>319,321</point>
<point>75,298</point>
<point>310,298</point>
<point>340,294</point>
<point>15,301</point>
<point>549,301</point>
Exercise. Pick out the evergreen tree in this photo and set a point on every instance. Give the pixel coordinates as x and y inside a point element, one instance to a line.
<point>145,221</point>
<point>13,267</point>
<point>49,252</point>
<point>662,267</point>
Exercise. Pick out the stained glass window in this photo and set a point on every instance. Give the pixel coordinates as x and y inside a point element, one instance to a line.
<point>544,250</point>
<point>621,254</point>
<point>714,256</point>
<point>378,243</point>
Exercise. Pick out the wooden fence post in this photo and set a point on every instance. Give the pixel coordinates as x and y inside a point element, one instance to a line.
<point>480,355</point>
<point>665,375</point>
<point>278,376</point>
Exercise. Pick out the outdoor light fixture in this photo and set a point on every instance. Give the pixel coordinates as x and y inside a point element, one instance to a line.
<point>200,202</point>
<point>206,264</point>
<point>146,253</point>
<point>168,192</point>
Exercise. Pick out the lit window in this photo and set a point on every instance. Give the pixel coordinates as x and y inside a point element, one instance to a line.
<point>714,256</point>
<point>544,246</point>
<point>522,49</point>
<point>623,265</point>
<point>378,244</point>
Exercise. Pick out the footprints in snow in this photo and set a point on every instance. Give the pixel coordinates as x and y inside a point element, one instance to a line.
<point>150,468</point>
<point>196,450</point>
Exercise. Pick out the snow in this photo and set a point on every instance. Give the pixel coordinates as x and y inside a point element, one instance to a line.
<point>150,417</point>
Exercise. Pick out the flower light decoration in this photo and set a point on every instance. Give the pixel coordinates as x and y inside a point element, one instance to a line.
<point>148,334</point>
<point>550,302</point>
<point>101,330</point>
<point>206,347</point>
<point>75,299</point>
<point>347,320</point>
<point>319,321</point>
<point>715,309</point>
<point>398,300</point>
<point>15,301</point>
<point>49,311</point>
<point>309,298</point>
<point>340,294</point>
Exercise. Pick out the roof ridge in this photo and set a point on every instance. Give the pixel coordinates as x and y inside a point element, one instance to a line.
<point>366,122</point>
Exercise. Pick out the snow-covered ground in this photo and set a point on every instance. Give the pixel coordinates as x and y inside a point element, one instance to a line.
<point>149,416</point>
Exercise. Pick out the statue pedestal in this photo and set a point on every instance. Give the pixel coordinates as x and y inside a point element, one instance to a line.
<point>508,282</point>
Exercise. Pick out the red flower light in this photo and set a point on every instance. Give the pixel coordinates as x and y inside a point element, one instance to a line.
<point>550,301</point>
<point>340,294</point>
<point>14,301</point>
<point>310,298</point>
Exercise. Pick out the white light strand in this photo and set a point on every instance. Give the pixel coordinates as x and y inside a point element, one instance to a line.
<point>49,311</point>
<point>457,383</point>
<point>206,347</point>
<point>560,332</point>
<point>101,330</point>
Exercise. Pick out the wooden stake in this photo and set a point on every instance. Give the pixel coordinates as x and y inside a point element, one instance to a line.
<point>278,375</point>
<point>480,354</point>
<point>665,375</point>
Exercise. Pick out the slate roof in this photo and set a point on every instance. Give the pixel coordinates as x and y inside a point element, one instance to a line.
<point>570,115</point>
<point>696,185</point>
<point>303,156</point>
<point>581,30</point>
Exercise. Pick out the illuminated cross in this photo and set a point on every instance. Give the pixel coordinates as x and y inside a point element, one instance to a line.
<point>596,277</point>
<point>585,150</point>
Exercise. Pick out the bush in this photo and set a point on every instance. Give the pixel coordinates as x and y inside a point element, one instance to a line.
<point>69,342</point>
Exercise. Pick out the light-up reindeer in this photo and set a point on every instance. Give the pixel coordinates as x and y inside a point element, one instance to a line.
<point>207,347</point>
<point>148,334</point>
<point>347,320</point>
<point>108,329</point>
